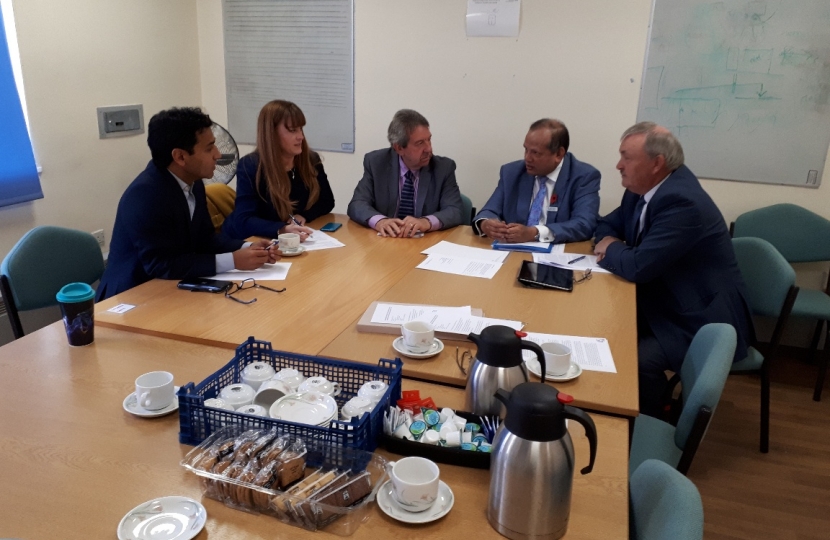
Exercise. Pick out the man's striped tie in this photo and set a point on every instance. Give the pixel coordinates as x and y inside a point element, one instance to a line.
<point>407,204</point>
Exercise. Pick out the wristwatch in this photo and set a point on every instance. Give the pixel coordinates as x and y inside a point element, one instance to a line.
<point>536,238</point>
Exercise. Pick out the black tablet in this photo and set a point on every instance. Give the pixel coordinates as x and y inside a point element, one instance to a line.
<point>543,276</point>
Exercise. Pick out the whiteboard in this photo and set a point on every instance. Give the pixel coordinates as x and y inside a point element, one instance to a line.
<point>298,50</point>
<point>744,85</point>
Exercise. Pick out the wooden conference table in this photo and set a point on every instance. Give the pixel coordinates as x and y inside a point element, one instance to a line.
<point>74,463</point>
<point>328,291</point>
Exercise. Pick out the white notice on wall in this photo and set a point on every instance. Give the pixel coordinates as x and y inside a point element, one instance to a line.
<point>493,18</point>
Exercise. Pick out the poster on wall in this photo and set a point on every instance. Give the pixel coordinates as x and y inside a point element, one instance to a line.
<point>493,18</point>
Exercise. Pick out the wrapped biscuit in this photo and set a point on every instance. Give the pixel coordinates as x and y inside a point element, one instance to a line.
<point>349,494</point>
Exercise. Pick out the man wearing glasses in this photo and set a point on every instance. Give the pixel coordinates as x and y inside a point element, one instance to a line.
<point>162,226</point>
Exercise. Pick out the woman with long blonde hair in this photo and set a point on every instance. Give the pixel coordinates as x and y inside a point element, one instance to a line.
<point>281,185</point>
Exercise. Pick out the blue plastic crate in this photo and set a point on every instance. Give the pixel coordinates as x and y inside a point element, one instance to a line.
<point>197,422</point>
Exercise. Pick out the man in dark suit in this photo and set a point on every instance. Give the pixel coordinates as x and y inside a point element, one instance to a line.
<point>550,196</point>
<point>670,239</point>
<point>162,226</point>
<point>406,190</point>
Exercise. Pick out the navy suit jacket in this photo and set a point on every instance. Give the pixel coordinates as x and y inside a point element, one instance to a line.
<point>571,218</point>
<point>377,191</point>
<point>154,236</point>
<point>684,265</point>
<point>255,215</point>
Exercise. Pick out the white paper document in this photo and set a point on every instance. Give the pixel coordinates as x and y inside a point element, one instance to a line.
<point>493,18</point>
<point>460,266</point>
<point>320,240</point>
<point>401,313</point>
<point>590,353</point>
<point>457,250</point>
<point>268,272</point>
<point>454,320</point>
<point>563,260</point>
<point>463,325</point>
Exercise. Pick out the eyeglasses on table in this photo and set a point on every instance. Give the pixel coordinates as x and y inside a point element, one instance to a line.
<point>249,283</point>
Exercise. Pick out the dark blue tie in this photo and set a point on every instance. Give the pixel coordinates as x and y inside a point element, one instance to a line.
<point>638,210</point>
<point>407,204</point>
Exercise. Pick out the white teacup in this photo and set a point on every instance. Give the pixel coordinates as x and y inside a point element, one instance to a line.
<point>154,390</point>
<point>414,482</point>
<point>218,403</point>
<point>256,410</point>
<point>237,395</point>
<point>557,359</point>
<point>256,373</point>
<point>357,406</point>
<point>418,336</point>
<point>289,241</point>
<point>320,384</point>
<point>291,377</point>
<point>373,390</point>
<point>269,392</point>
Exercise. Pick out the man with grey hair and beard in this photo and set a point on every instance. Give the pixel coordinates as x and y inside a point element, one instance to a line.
<point>669,238</point>
<point>406,190</point>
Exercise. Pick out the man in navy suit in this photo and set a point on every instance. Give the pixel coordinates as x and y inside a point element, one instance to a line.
<point>670,239</point>
<point>162,226</point>
<point>406,190</point>
<point>550,196</point>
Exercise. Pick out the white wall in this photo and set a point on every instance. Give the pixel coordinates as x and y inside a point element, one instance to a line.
<point>80,55</point>
<point>578,61</point>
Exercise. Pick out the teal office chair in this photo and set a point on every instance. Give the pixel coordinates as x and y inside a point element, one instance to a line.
<point>468,211</point>
<point>800,236</point>
<point>702,376</point>
<point>664,504</point>
<point>770,283</point>
<point>43,261</point>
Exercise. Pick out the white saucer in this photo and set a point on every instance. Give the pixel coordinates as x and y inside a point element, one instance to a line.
<point>311,408</point>
<point>437,347</point>
<point>131,406</point>
<point>292,253</point>
<point>573,372</point>
<point>166,518</point>
<point>439,508</point>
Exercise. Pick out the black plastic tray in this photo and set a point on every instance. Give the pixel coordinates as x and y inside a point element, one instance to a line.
<point>440,454</point>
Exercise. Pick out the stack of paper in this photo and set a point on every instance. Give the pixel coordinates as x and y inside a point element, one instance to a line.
<point>268,272</point>
<point>462,260</point>
<point>454,320</point>
<point>590,353</point>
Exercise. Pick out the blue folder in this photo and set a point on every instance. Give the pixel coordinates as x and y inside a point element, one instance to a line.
<point>503,246</point>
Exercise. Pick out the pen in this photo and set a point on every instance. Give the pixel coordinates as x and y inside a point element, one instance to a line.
<point>576,260</point>
<point>291,216</point>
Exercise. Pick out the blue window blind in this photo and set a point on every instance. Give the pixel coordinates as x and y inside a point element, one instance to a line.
<point>19,181</point>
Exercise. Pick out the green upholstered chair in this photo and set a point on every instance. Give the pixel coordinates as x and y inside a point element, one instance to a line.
<point>468,210</point>
<point>702,376</point>
<point>664,504</point>
<point>800,236</point>
<point>43,261</point>
<point>770,283</point>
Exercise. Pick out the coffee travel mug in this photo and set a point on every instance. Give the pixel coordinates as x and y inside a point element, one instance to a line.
<point>77,302</point>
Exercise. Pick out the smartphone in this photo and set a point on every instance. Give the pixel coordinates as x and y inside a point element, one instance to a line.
<point>331,227</point>
<point>546,277</point>
<point>204,285</point>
